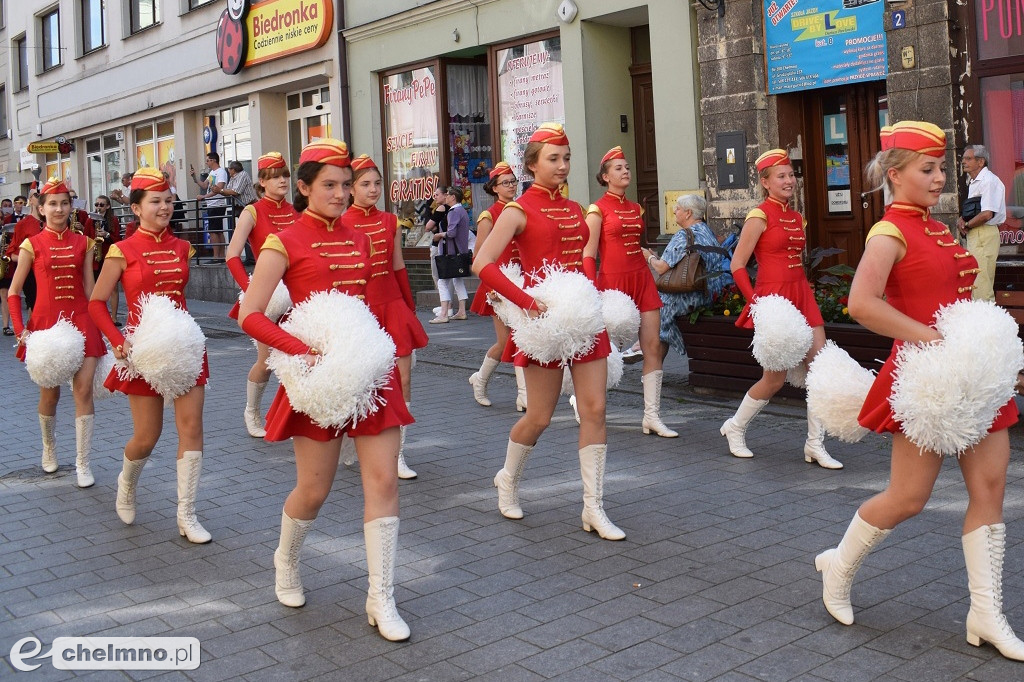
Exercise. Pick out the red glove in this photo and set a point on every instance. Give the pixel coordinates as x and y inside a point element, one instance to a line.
<point>262,328</point>
<point>237,271</point>
<point>101,317</point>
<point>14,303</point>
<point>493,277</point>
<point>403,284</point>
<point>742,279</point>
<point>590,268</point>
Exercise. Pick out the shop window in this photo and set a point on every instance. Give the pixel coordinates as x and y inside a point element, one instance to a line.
<point>154,144</point>
<point>103,164</point>
<point>19,50</point>
<point>193,4</point>
<point>469,132</point>
<point>308,119</point>
<point>411,150</point>
<point>59,166</point>
<point>143,13</point>
<point>93,36</point>
<point>529,93</point>
<point>49,34</point>
<point>1002,108</point>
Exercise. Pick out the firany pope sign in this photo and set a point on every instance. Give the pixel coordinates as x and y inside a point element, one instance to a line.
<point>249,34</point>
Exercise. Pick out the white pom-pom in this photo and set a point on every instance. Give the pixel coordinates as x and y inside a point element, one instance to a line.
<point>616,368</point>
<point>509,312</point>
<point>572,321</point>
<point>356,359</point>
<point>797,376</point>
<point>104,364</point>
<point>621,317</point>
<point>782,336</point>
<point>52,356</point>
<point>836,388</point>
<point>167,347</point>
<point>280,302</point>
<point>947,393</point>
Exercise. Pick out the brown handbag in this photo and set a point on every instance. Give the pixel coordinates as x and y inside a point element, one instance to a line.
<point>688,274</point>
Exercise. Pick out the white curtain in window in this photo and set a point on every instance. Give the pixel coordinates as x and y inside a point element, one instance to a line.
<point>467,89</point>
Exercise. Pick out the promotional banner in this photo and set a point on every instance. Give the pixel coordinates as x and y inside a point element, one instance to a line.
<point>821,43</point>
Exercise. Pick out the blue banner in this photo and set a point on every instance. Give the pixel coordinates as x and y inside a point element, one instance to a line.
<point>822,43</point>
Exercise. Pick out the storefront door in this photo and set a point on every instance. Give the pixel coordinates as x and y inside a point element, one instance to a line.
<point>841,133</point>
<point>645,168</point>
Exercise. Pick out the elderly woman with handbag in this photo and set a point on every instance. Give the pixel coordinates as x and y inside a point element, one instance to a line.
<point>694,232</point>
<point>453,256</point>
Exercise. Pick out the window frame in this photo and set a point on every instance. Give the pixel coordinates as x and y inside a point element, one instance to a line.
<point>19,53</point>
<point>192,5</point>
<point>4,121</point>
<point>83,29</point>
<point>132,14</point>
<point>44,49</point>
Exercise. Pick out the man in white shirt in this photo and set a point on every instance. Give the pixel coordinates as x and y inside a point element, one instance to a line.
<point>982,229</point>
<point>216,203</point>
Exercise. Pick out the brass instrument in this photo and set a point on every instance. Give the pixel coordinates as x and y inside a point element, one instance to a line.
<point>5,261</point>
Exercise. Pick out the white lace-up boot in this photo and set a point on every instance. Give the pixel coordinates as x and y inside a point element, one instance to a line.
<point>520,389</point>
<point>127,484</point>
<point>735,428</point>
<point>404,472</point>
<point>83,446</point>
<point>838,566</point>
<point>507,479</point>
<point>983,553</point>
<point>189,468</point>
<point>47,428</point>
<point>592,461</point>
<point>814,448</point>
<point>253,414</point>
<point>652,405</point>
<point>381,536</point>
<point>479,379</point>
<point>287,583</point>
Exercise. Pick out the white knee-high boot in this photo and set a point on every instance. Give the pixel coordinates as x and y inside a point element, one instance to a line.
<point>984,548</point>
<point>478,380</point>
<point>48,428</point>
<point>652,405</point>
<point>83,446</point>
<point>838,566</point>
<point>507,479</point>
<point>814,448</point>
<point>381,536</point>
<point>520,389</point>
<point>592,461</point>
<point>287,583</point>
<point>189,468</point>
<point>127,484</point>
<point>253,414</point>
<point>735,428</point>
<point>404,472</point>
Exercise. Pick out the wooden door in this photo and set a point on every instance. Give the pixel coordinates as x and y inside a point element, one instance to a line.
<point>842,126</point>
<point>645,166</point>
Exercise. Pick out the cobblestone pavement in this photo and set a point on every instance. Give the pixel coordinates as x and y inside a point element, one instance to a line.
<point>714,581</point>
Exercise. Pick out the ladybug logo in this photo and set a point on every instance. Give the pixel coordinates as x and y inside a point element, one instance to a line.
<point>231,37</point>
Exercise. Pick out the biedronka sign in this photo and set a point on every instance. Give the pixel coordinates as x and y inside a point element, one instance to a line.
<point>257,32</point>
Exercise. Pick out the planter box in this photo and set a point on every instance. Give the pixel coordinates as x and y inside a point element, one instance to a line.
<point>721,361</point>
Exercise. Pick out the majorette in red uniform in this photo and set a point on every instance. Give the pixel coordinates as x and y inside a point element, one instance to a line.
<point>618,224</point>
<point>550,229</point>
<point>61,261</point>
<point>152,261</point>
<point>388,292</point>
<point>501,183</point>
<point>270,214</point>
<point>911,266</point>
<point>774,233</point>
<point>319,253</point>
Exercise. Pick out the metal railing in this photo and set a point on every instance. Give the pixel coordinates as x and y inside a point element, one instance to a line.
<point>191,221</point>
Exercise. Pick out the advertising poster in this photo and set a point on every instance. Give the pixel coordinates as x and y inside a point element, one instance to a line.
<point>529,93</point>
<point>821,43</point>
<point>411,143</point>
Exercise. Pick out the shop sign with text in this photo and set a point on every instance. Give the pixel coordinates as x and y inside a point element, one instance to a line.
<point>258,32</point>
<point>999,27</point>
